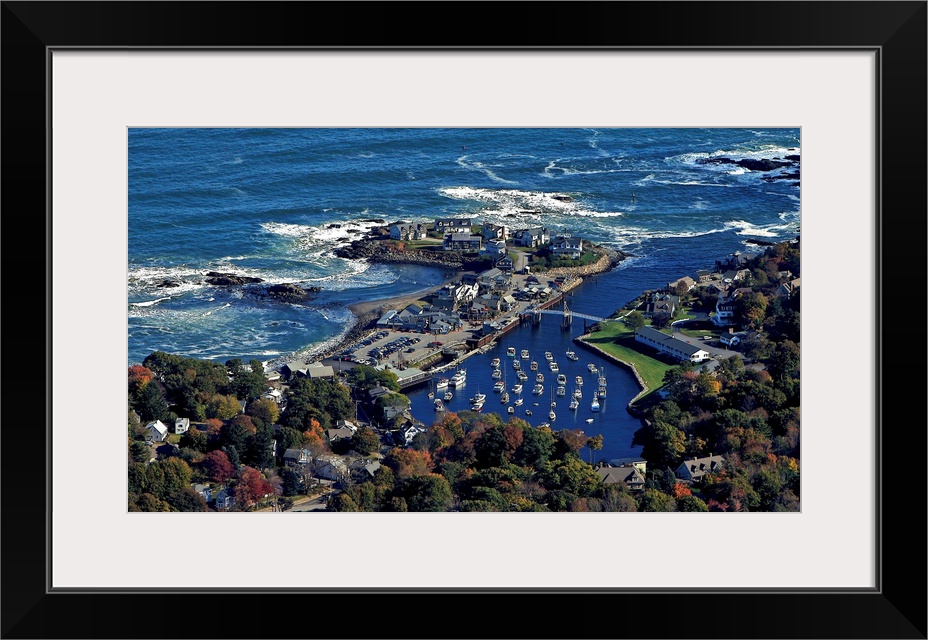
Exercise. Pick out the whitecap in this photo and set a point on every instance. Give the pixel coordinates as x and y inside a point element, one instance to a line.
<point>149,303</point>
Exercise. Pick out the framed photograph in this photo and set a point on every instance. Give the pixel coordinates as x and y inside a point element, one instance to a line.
<point>123,90</point>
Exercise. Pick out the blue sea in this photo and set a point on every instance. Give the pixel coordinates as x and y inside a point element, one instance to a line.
<point>274,203</point>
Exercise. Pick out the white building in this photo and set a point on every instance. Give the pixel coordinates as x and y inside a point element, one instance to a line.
<point>674,347</point>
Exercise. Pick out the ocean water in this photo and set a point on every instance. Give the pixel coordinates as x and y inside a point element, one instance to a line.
<point>273,203</point>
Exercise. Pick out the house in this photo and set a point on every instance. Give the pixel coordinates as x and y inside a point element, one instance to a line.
<point>491,231</point>
<point>157,432</point>
<point>462,242</point>
<point>694,470</point>
<point>205,491</point>
<point>371,468</point>
<point>331,467</point>
<point>293,370</point>
<point>318,370</point>
<point>504,264</point>
<point>341,423</point>
<point>685,281</point>
<point>567,247</point>
<point>181,425</point>
<point>639,463</point>
<point>787,289</point>
<point>732,338</point>
<point>725,309</point>
<point>629,475</point>
<point>297,457</point>
<point>339,433</point>
<point>661,305</point>
<point>508,303</point>
<point>375,393</point>
<point>674,347</point>
<point>494,247</point>
<point>452,225</point>
<point>410,431</point>
<point>410,231</point>
<point>533,237</point>
<point>703,275</point>
<point>224,499</point>
<point>274,395</point>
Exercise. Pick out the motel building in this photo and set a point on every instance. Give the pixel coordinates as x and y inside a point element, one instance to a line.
<point>674,347</point>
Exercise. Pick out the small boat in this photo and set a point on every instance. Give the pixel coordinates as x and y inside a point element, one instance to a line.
<point>495,363</point>
<point>459,378</point>
<point>518,402</point>
<point>524,354</point>
<point>549,356</point>
<point>511,352</point>
<point>510,410</point>
<point>540,377</point>
<point>442,383</point>
<point>602,392</point>
<point>448,396</point>
<point>497,374</point>
<point>538,390</point>
<point>561,379</point>
<point>480,397</point>
<point>594,406</point>
<point>528,412</point>
<point>535,404</point>
<point>578,393</point>
<point>516,365</point>
<point>517,388</point>
<point>552,416</point>
<point>553,404</point>
<point>602,381</point>
<point>579,381</point>
<point>573,405</point>
<point>431,394</point>
<point>562,390</point>
<point>554,368</point>
<point>571,355</point>
<point>592,368</point>
<point>523,376</point>
<point>438,405</point>
<point>589,420</point>
<point>504,399</point>
<point>499,386</point>
<point>533,366</point>
<point>478,407</point>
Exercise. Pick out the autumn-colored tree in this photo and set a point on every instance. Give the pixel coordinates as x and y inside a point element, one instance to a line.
<point>188,500</point>
<point>217,466</point>
<point>595,444</point>
<point>195,439</point>
<point>681,489</point>
<point>213,428</point>
<point>148,502</point>
<point>264,409</point>
<point>573,439</point>
<point>408,462</point>
<point>139,377</point>
<point>222,407</point>
<point>177,476</point>
<point>251,487</point>
<point>245,422</point>
<point>366,441</point>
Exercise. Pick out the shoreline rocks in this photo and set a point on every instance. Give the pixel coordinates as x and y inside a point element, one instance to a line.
<point>220,279</point>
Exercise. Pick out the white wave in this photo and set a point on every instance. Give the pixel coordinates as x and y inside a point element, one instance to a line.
<point>475,165</point>
<point>212,311</point>
<point>764,231</point>
<point>149,303</point>
<point>763,152</point>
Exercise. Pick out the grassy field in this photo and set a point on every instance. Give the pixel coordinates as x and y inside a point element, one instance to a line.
<point>618,340</point>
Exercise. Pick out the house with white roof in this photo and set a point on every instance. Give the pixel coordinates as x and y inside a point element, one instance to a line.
<point>157,432</point>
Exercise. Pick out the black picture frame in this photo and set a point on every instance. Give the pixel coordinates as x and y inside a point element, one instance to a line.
<point>895,609</point>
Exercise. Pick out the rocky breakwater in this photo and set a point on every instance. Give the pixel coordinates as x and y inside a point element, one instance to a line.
<point>608,259</point>
<point>376,250</point>
<point>787,167</point>
<point>286,292</point>
<point>220,279</point>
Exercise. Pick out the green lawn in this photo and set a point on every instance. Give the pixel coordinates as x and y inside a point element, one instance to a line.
<point>618,340</point>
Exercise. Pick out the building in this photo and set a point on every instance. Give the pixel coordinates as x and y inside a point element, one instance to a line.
<point>181,425</point>
<point>156,431</point>
<point>726,307</point>
<point>505,264</point>
<point>693,470</point>
<point>491,231</point>
<point>787,289</point>
<point>628,475</point>
<point>674,347</point>
<point>293,370</point>
<point>319,370</point>
<point>462,242</point>
<point>445,226</point>
<point>567,247</point>
<point>297,457</point>
<point>661,305</point>
<point>411,231</point>
<point>494,247</point>
<point>703,275</point>
<point>533,237</point>
<point>686,281</point>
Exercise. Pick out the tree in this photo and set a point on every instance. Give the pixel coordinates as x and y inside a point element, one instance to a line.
<point>188,500</point>
<point>177,476</point>
<point>217,466</point>
<point>288,438</point>
<point>366,441</point>
<point>193,438</point>
<point>595,444</point>
<point>407,462</point>
<point>152,404</point>
<point>427,493</point>
<point>265,409</point>
<point>364,378</point>
<point>635,320</point>
<point>139,452</point>
<point>662,444</point>
<point>222,407</point>
<point>251,487</point>
<point>654,500</point>
<point>691,503</point>
<point>148,502</point>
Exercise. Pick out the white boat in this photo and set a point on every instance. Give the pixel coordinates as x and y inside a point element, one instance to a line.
<point>504,399</point>
<point>478,406</point>
<point>517,388</point>
<point>552,416</point>
<point>573,405</point>
<point>497,374</point>
<point>602,392</point>
<point>524,354</point>
<point>594,406</point>
<point>579,381</point>
<point>442,383</point>
<point>431,394</point>
<point>523,376</point>
<point>549,356</point>
<point>602,381</point>
<point>480,397</point>
<point>494,363</point>
<point>571,355</point>
<point>562,390</point>
<point>448,396</point>
<point>499,386</point>
<point>538,390</point>
<point>578,393</point>
<point>516,365</point>
<point>518,402</point>
<point>533,366</point>
<point>589,420</point>
<point>438,405</point>
<point>540,377</point>
<point>459,378</point>
<point>554,368</point>
<point>511,352</point>
<point>561,378</point>
<point>528,412</point>
<point>592,368</point>
<point>510,410</point>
